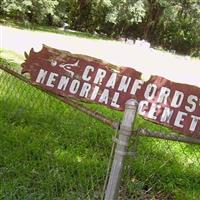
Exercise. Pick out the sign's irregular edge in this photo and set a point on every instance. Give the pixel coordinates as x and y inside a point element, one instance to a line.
<point>90,58</point>
<point>111,68</point>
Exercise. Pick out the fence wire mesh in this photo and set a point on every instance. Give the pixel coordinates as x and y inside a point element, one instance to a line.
<point>52,151</point>
<point>48,150</point>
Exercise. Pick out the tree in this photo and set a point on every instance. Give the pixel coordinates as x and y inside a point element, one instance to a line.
<point>172,24</point>
<point>124,13</point>
<point>179,27</point>
<point>35,11</point>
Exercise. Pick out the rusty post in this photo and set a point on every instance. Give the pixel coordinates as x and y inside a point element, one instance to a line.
<point>125,132</point>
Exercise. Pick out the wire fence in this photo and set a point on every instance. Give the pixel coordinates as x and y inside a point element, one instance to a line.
<point>50,150</point>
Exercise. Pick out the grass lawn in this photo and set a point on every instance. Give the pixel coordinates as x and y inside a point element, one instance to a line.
<point>49,150</point>
<point>35,27</point>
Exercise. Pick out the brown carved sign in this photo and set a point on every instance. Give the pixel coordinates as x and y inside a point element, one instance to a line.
<point>82,77</point>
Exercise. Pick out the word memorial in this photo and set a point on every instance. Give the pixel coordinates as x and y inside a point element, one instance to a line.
<point>160,100</point>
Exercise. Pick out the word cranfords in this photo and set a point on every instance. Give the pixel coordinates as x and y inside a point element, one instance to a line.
<point>82,77</point>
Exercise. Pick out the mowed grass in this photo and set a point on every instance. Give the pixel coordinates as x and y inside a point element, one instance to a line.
<point>49,150</point>
<point>51,29</point>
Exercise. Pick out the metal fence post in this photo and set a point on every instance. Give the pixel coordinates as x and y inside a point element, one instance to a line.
<point>125,131</point>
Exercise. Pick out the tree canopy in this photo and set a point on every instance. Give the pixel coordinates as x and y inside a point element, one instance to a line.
<point>172,24</point>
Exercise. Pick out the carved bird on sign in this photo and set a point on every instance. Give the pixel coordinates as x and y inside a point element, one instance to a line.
<point>66,66</point>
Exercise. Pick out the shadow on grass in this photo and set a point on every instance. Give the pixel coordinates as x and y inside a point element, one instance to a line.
<point>48,154</point>
<point>55,154</point>
<point>50,150</point>
<point>160,167</point>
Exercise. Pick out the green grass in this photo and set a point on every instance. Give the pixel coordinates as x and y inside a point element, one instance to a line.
<point>49,150</point>
<point>51,29</point>
<point>12,57</point>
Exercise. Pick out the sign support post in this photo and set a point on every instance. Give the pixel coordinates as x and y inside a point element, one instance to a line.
<point>125,131</point>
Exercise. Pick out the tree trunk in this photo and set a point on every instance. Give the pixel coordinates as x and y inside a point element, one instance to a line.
<point>153,18</point>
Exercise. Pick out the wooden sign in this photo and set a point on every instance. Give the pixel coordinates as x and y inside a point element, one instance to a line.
<point>160,100</point>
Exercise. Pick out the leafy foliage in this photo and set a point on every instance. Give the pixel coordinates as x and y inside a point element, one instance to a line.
<point>40,11</point>
<point>172,24</point>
